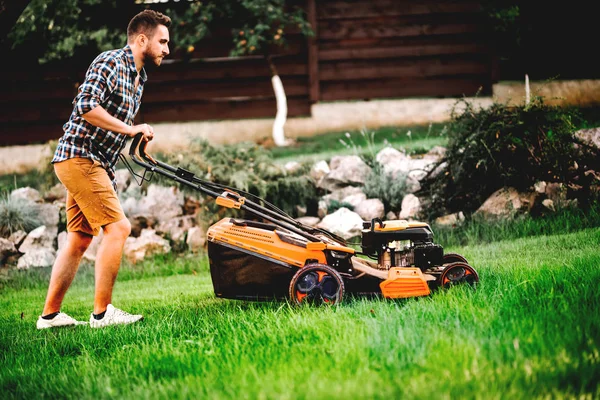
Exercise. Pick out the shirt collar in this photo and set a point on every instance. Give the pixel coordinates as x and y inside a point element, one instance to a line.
<point>131,61</point>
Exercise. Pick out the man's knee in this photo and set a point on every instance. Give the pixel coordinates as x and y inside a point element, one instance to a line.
<point>121,228</point>
<point>79,241</point>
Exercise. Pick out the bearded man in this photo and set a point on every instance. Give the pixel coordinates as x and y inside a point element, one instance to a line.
<point>101,122</point>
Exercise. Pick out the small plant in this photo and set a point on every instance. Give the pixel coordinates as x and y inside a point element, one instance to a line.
<point>17,215</point>
<point>334,205</point>
<point>384,186</point>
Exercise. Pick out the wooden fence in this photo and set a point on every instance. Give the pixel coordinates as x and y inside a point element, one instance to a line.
<point>363,49</point>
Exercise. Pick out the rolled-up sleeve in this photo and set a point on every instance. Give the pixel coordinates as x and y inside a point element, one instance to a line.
<point>100,81</point>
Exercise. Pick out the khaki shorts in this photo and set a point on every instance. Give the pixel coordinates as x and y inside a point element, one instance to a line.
<point>91,199</point>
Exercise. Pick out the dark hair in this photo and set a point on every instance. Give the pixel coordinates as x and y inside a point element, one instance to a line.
<point>146,22</point>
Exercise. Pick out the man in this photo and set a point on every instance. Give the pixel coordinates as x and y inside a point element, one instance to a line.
<point>96,133</point>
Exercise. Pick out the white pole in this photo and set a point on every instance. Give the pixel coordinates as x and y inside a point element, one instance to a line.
<point>527,91</point>
<point>281,116</point>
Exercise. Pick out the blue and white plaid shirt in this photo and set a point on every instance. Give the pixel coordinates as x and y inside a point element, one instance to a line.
<point>109,82</point>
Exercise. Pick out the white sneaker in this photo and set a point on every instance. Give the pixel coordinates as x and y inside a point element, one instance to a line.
<point>114,316</point>
<point>61,319</point>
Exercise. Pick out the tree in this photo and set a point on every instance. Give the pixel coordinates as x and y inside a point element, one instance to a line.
<point>257,26</point>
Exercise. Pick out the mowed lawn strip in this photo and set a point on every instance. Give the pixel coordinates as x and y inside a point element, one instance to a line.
<point>528,331</point>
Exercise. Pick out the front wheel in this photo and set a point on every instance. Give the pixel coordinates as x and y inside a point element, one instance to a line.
<point>317,284</point>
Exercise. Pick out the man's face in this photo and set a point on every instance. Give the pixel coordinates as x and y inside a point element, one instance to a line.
<point>158,46</point>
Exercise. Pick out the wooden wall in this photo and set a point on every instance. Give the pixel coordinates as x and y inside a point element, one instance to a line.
<point>363,49</point>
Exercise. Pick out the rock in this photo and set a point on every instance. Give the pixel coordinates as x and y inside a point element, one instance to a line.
<point>450,219</point>
<point>391,216</point>
<point>26,193</point>
<point>589,136</point>
<point>196,239</point>
<point>163,203</point>
<point>40,238</point>
<point>345,170</point>
<point>318,171</point>
<point>549,204</point>
<point>343,222</point>
<point>56,192</point>
<point>411,206</point>
<point>49,214</point>
<point>369,209</point>
<point>7,249</point>
<point>140,222</point>
<point>176,228</point>
<point>123,178</point>
<point>37,258</point>
<point>507,202</point>
<point>149,243</point>
<point>309,221</point>
<point>292,167</point>
<point>17,237</point>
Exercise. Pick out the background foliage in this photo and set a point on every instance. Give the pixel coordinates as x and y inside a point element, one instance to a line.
<point>510,146</point>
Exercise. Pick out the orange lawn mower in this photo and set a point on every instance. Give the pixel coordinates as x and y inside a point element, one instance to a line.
<point>277,257</point>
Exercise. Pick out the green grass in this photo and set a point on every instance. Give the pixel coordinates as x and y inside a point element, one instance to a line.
<point>368,142</point>
<point>528,331</point>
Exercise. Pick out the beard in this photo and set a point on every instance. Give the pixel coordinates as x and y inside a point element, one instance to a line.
<point>152,59</point>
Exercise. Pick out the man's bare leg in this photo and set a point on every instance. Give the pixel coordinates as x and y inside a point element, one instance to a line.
<point>64,269</point>
<point>108,261</point>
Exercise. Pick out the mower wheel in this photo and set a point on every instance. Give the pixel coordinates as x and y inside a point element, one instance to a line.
<point>457,273</point>
<point>450,258</point>
<point>316,284</point>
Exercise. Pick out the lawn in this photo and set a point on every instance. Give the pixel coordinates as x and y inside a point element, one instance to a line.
<point>530,330</point>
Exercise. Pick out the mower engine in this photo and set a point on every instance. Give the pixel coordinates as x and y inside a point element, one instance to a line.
<point>401,244</point>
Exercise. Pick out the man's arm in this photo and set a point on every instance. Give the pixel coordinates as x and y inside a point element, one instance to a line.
<point>99,117</point>
<point>100,81</point>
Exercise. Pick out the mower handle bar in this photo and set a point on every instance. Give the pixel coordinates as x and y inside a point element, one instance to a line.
<point>209,188</point>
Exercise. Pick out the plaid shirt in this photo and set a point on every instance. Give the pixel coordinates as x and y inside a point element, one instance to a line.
<point>109,82</point>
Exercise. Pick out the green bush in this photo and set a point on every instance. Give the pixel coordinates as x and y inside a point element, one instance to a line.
<point>17,215</point>
<point>517,146</point>
<point>385,187</point>
<point>247,168</point>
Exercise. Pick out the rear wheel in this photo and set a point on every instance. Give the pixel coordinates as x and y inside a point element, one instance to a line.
<point>458,273</point>
<point>450,258</point>
<point>317,284</point>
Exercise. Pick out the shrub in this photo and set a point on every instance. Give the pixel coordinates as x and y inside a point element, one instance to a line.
<point>17,215</point>
<point>385,187</point>
<point>508,146</point>
<point>247,168</point>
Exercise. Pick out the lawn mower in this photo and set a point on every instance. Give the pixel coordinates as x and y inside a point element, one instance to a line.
<point>273,256</point>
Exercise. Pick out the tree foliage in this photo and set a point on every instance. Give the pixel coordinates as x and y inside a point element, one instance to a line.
<point>50,30</point>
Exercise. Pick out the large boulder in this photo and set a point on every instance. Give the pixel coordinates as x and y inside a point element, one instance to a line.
<point>342,222</point>
<point>507,202</point>
<point>345,170</point>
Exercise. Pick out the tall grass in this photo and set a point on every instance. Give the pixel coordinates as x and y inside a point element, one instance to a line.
<point>529,331</point>
<point>475,230</point>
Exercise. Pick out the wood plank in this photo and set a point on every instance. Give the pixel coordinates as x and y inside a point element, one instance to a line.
<point>372,29</point>
<point>227,69</point>
<point>332,10</point>
<point>404,88</point>
<point>177,91</point>
<point>23,134</point>
<point>417,69</point>
<point>54,90</point>
<point>36,112</point>
<point>220,110</point>
<point>313,54</point>
<point>370,53</point>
